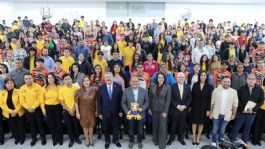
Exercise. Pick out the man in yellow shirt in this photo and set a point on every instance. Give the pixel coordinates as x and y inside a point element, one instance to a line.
<point>29,96</point>
<point>67,60</point>
<point>128,55</point>
<point>82,22</point>
<point>102,62</point>
<point>67,99</point>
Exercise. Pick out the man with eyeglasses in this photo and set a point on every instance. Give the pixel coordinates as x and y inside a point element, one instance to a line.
<point>249,93</point>
<point>239,78</point>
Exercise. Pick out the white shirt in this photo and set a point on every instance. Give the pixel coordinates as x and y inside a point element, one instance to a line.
<point>197,53</point>
<point>224,101</point>
<point>106,51</point>
<point>135,94</point>
<point>194,79</point>
<point>180,90</point>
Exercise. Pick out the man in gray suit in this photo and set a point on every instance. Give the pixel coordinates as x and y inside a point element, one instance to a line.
<point>131,96</point>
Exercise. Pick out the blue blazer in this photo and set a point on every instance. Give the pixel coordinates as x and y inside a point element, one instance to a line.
<point>107,106</point>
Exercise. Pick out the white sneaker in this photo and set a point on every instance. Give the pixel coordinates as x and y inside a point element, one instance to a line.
<point>213,144</point>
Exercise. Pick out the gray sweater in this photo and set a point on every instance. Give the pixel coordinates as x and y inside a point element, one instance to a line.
<point>238,81</point>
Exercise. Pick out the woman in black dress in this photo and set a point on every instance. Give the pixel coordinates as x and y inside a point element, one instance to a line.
<point>200,106</point>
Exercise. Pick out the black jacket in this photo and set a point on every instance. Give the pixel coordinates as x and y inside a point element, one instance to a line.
<point>26,62</point>
<point>244,96</point>
<point>85,68</point>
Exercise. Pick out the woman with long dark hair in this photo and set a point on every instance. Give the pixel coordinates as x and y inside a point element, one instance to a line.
<point>200,105</point>
<point>204,63</point>
<point>85,106</point>
<point>12,111</point>
<point>52,108</point>
<point>120,77</point>
<point>136,60</point>
<point>75,74</point>
<point>159,98</point>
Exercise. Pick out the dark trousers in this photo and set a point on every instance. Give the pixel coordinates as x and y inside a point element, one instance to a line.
<point>54,114</point>
<point>138,125</point>
<point>258,126</point>
<point>113,120</point>
<point>245,120</point>
<point>159,129</point>
<point>178,123</point>
<point>35,123</point>
<point>17,127</point>
<point>72,125</point>
<point>1,127</point>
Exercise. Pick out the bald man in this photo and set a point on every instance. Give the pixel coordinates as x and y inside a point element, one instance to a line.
<point>178,110</point>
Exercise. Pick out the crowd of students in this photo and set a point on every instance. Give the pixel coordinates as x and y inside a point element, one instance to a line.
<point>184,77</point>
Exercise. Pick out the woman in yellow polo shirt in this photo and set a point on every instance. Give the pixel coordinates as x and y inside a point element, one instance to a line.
<point>51,107</point>
<point>13,111</point>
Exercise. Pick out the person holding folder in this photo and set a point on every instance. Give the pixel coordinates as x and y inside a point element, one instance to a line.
<point>250,98</point>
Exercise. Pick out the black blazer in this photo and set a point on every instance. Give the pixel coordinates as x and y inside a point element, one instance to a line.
<point>86,68</point>
<point>175,99</point>
<point>26,62</point>
<point>244,96</point>
<point>107,106</point>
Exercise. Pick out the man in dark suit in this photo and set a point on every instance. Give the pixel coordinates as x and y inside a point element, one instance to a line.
<point>178,110</point>
<point>109,108</point>
<point>132,96</point>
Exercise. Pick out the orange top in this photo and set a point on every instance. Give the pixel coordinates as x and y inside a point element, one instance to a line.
<point>218,76</point>
<point>40,75</point>
<point>260,75</point>
<point>144,77</point>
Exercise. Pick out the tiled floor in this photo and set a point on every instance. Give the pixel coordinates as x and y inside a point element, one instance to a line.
<point>99,144</point>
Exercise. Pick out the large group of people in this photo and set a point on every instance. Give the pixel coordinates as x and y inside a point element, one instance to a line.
<point>185,78</point>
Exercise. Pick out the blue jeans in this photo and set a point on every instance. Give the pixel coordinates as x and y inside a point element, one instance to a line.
<point>219,126</point>
<point>242,119</point>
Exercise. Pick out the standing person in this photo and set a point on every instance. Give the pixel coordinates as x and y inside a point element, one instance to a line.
<point>143,77</point>
<point>224,104</point>
<point>40,72</point>
<point>120,77</point>
<point>239,78</point>
<point>29,61</point>
<point>85,106</point>
<point>48,61</point>
<point>85,66</point>
<point>18,73</point>
<point>221,73</point>
<point>198,52</point>
<point>178,110</point>
<point>13,111</point>
<point>247,93</point>
<point>75,74</point>
<point>139,96</point>
<point>200,105</point>
<point>258,126</point>
<point>159,98</point>
<point>58,71</point>
<point>150,66</point>
<point>29,96</point>
<point>67,97</point>
<point>2,134</point>
<point>67,60</point>
<point>109,108</point>
<point>52,108</point>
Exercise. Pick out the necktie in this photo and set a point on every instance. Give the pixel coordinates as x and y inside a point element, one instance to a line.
<point>180,91</point>
<point>250,91</point>
<point>110,92</point>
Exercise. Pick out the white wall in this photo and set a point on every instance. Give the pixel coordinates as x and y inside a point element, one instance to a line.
<point>220,13</point>
<point>97,10</point>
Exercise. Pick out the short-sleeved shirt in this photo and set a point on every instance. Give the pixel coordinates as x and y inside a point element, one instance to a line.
<point>67,95</point>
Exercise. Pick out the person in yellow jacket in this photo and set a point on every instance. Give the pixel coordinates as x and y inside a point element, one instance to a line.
<point>67,99</point>
<point>51,107</point>
<point>29,96</point>
<point>13,111</point>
